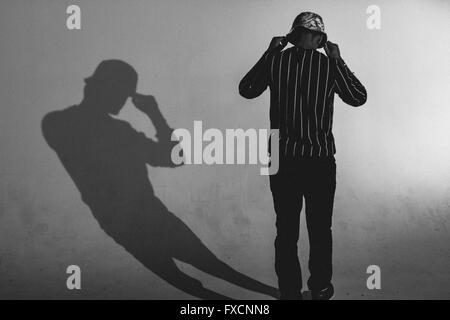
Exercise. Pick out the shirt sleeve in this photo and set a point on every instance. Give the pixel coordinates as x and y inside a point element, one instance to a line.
<point>255,82</point>
<point>348,87</point>
<point>156,153</point>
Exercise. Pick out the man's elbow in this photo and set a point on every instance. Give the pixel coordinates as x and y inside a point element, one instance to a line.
<point>358,103</point>
<point>249,90</point>
<point>245,91</point>
<point>246,94</point>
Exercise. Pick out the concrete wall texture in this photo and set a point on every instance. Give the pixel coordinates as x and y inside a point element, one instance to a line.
<point>392,204</point>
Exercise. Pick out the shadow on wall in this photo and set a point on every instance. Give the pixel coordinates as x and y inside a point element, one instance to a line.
<point>107,159</point>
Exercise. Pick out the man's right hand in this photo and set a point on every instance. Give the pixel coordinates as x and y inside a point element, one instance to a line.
<point>277,43</point>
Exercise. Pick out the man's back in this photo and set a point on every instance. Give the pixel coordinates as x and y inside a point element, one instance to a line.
<point>301,104</point>
<point>302,84</point>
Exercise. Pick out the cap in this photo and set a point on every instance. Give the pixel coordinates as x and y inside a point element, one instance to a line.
<point>310,21</point>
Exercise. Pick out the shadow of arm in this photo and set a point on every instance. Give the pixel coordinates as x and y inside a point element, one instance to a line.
<point>157,153</point>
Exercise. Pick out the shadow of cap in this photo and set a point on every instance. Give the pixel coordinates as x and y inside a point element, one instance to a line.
<point>117,73</point>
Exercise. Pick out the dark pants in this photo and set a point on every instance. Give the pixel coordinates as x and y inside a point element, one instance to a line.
<point>315,180</point>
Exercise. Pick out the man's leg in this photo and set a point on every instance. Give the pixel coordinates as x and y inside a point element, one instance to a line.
<point>319,198</point>
<point>288,202</point>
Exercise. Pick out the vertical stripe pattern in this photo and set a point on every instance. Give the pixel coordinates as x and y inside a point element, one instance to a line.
<point>302,84</point>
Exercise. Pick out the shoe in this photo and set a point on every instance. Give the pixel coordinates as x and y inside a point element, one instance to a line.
<point>324,294</point>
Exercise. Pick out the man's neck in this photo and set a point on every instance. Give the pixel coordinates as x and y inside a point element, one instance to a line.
<point>304,45</point>
<point>92,108</point>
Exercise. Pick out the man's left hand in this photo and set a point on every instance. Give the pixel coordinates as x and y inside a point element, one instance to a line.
<point>332,50</point>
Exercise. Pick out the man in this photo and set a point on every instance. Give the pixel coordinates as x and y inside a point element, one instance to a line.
<point>302,84</point>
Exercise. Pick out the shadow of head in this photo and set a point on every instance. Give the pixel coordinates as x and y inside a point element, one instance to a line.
<point>112,83</point>
<point>107,160</point>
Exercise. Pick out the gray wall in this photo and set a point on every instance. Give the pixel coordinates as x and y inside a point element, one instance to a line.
<point>393,154</point>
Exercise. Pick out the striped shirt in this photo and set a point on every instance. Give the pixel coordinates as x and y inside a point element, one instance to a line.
<point>302,85</point>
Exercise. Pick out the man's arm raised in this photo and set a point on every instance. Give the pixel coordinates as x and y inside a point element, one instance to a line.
<point>156,153</point>
<point>255,82</point>
<point>348,87</point>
